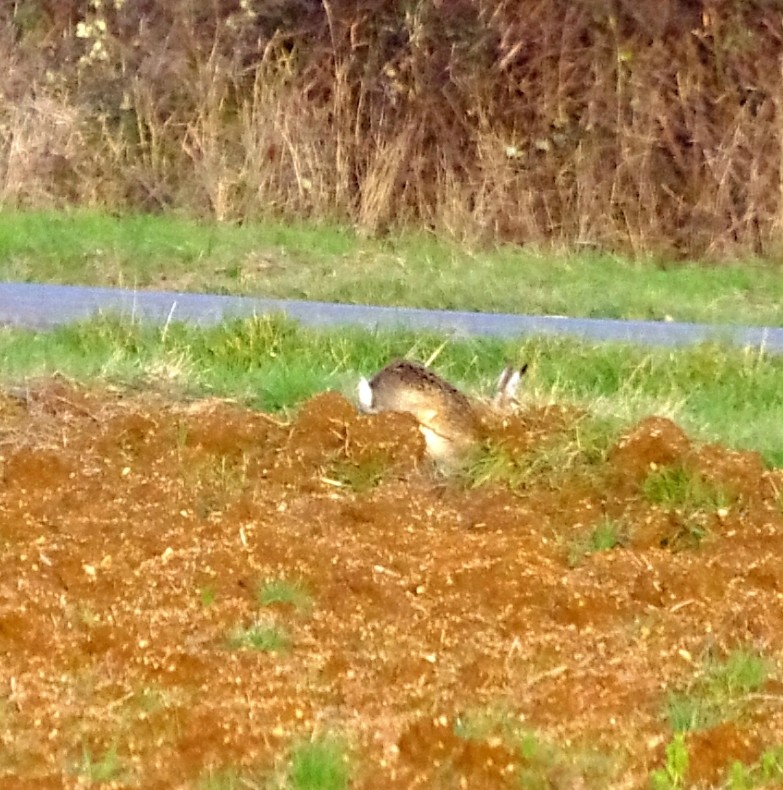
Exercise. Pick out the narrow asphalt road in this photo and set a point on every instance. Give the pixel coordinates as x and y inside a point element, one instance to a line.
<point>33,306</point>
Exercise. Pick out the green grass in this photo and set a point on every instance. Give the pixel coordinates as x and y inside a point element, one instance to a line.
<point>259,637</point>
<point>318,764</point>
<point>283,591</point>
<point>107,767</point>
<point>359,477</point>
<point>720,693</point>
<point>690,498</point>
<point>675,769</point>
<point>715,393</point>
<point>321,764</point>
<point>207,595</point>
<point>689,712</point>
<point>605,536</point>
<point>542,763</point>
<point>676,486</point>
<point>766,772</point>
<point>322,262</point>
<point>741,673</point>
<point>584,442</point>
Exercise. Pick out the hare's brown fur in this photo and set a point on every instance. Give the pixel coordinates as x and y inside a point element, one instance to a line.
<point>447,418</point>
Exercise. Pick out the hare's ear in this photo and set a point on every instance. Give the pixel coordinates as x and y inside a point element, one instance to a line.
<point>508,384</point>
<point>365,395</point>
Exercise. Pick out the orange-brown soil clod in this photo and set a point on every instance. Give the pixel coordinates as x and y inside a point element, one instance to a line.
<point>136,534</point>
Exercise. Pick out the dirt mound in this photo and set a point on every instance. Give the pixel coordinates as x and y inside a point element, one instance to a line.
<point>195,587</point>
<point>654,442</point>
<point>657,442</point>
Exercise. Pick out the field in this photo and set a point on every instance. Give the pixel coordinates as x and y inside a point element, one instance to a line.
<point>194,594</point>
<point>217,575</point>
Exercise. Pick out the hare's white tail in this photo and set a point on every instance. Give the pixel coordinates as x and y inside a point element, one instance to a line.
<point>365,395</point>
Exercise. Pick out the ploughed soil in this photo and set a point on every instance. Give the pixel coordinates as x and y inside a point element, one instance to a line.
<point>457,632</point>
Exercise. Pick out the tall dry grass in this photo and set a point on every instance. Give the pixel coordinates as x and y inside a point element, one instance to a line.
<point>634,125</point>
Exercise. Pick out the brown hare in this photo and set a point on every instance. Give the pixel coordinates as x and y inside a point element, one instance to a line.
<point>447,418</point>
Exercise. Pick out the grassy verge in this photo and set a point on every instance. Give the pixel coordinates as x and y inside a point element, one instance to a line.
<point>332,264</point>
<point>716,393</point>
<point>719,693</point>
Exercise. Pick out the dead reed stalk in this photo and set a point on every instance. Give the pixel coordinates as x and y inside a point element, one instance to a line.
<point>644,127</point>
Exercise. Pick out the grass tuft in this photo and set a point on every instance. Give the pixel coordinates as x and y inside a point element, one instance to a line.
<point>720,693</point>
<point>605,536</point>
<point>107,767</point>
<point>766,772</point>
<point>283,591</point>
<point>679,487</point>
<point>742,673</point>
<point>690,498</point>
<point>321,764</point>
<point>582,445</point>
<point>672,775</point>
<point>359,477</point>
<point>262,638</point>
<point>497,464</point>
<point>542,764</point>
<point>207,595</point>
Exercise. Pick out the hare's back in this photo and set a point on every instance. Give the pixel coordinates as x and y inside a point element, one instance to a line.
<point>410,387</point>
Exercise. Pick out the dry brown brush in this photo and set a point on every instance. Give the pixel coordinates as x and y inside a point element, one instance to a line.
<point>637,125</point>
